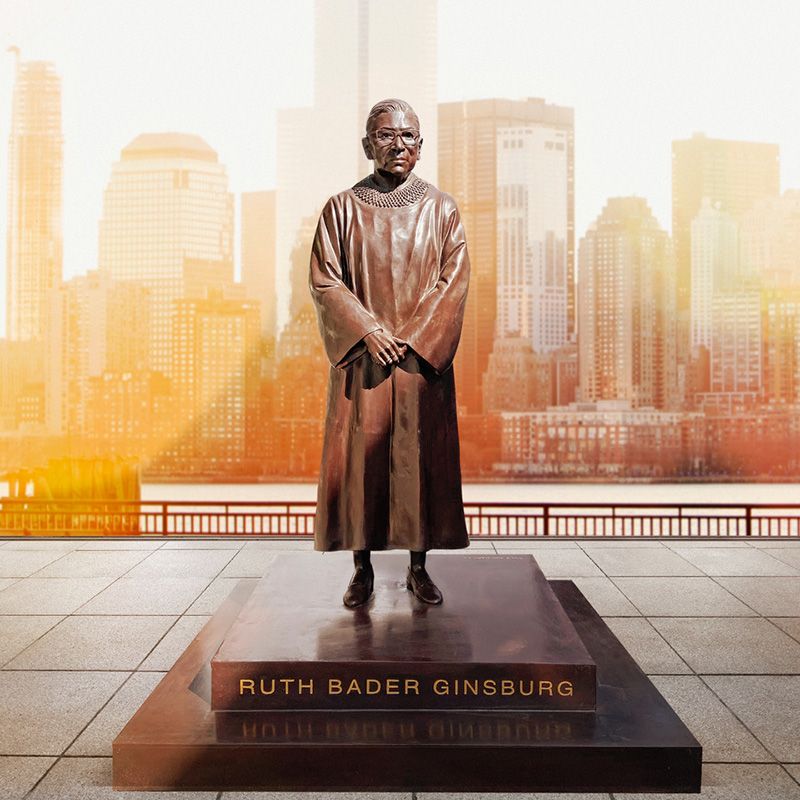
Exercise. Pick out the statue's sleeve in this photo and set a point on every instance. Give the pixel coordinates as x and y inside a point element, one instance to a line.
<point>343,320</point>
<point>434,329</point>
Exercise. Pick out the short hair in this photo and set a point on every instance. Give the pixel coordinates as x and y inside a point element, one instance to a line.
<point>391,104</point>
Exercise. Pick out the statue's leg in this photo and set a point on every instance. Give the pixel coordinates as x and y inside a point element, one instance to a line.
<point>362,559</point>
<point>359,590</point>
<point>419,582</point>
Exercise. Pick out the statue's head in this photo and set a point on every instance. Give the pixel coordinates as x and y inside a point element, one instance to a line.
<point>393,138</point>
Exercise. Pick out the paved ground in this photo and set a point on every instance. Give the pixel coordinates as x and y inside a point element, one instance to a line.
<point>87,629</point>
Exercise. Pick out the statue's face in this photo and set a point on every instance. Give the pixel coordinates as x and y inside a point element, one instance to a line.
<point>396,154</point>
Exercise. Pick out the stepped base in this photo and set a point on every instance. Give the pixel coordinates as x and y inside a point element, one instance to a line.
<point>633,742</point>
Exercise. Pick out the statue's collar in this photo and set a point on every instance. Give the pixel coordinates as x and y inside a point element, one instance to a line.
<point>411,190</point>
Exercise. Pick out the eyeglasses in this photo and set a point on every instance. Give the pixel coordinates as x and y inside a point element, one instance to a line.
<point>386,136</point>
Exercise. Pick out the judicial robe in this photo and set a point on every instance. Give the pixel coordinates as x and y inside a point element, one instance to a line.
<point>390,475</point>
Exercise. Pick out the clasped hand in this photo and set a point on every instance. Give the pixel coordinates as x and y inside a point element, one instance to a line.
<point>384,348</point>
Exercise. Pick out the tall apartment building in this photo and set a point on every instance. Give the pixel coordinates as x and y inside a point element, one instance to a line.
<point>34,248</point>
<point>770,240</point>
<point>517,379</point>
<point>167,223</point>
<point>94,324</point>
<point>731,173</point>
<point>355,65</point>
<point>215,382</point>
<point>470,168</point>
<point>532,236</point>
<point>715,266</point>
<point>626,302</point>
<point>780,309</point>
<point>298,408</point>
<point>131,413</point>
<point>736,342</point>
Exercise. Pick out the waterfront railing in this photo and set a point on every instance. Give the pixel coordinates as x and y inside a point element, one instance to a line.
<point>274,519</point>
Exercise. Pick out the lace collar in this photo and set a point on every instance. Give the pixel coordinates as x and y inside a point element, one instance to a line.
<point>408,192</point>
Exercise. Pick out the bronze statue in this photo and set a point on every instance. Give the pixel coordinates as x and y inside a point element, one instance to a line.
<point>389,274</point>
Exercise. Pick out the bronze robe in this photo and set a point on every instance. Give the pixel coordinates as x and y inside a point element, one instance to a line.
<point>390,475</point>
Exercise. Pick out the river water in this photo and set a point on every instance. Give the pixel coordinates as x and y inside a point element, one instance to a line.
<point>500,492</point>
<point>509,492</point>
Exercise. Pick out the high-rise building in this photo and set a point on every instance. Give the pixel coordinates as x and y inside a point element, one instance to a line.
<point>93,324</point>
<point>517,379</point>
<point>300,339</point>
<point>780,309</point>
<point>770,240</point>
<point>258,254</point>
<point>715,260</point>
<point>469,170</point>
<point>298,411</point>
<point>130,413</point>
<point>736,342</point>
<point>355,65</point>
<point>733,174</point>
<point>215,380</point>
<point>626,302</point>
<point>532,206</point>
<point>168,224</point>
<point>21,366</point>
<point>35,162</point>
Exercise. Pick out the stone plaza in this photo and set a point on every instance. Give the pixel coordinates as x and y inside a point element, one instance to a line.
<point>88,627</point>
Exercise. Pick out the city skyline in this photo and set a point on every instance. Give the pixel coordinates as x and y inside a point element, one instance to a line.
<point>620,151</point>
<point>582,347</point>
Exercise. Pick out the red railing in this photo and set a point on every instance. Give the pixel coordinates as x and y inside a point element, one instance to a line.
<point>25,517</point>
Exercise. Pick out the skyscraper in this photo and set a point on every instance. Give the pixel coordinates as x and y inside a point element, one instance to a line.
<point>94,324</point>
<point>736,356</point>
<point>733,174</point>
<point>35,161</point>
<point>780,310</point>
<point>626,301</point>
<point>355,65</point>
<point>216,373</point>
<point>715,259</point>
<point>532,235</point>
<point>258,254</point>
<point>168,224</point>
<point>770,240</point>
<point>518,379</point>
<point>469,170</point>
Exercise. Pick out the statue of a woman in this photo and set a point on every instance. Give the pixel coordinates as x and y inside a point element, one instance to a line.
<point>389,274</point>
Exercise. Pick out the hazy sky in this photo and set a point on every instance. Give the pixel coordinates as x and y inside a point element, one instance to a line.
<point>639,73</point>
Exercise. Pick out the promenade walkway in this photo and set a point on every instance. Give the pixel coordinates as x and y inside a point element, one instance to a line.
<point>89,627</point>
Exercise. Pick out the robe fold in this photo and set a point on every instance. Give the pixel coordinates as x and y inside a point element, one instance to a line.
<point>390,475</point>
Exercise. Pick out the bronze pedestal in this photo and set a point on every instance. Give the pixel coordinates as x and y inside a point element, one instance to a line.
<point>250,704</point>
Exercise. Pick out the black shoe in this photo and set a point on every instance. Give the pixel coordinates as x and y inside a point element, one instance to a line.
<point>425,590</point>
<point>360,588</point>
